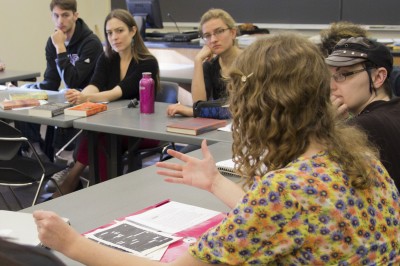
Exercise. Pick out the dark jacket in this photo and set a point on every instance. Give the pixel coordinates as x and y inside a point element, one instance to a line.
<point>107,75</point>
<point>75,67</point>
<point>381,121</point>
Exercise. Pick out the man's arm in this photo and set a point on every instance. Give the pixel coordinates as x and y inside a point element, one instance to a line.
<point>198,85</point>
<point>77,71</point>
<point>51,79</point>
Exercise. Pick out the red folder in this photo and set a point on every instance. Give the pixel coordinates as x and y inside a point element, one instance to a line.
<point>188,235</point>
<point>181,246</point>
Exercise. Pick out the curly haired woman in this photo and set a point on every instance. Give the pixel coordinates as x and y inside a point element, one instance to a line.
<point>324,200</point>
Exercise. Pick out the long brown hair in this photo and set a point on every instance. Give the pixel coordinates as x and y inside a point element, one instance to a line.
<point>139,50</point>
<point>280,100</point>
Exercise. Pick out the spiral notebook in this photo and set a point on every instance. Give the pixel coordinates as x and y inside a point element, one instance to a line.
<point>227,167</point>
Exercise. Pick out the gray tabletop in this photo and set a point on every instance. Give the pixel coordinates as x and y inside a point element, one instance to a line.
<point>64,121</point>
<point>100,204</point>
<point>12,75</point>
<point>129,122</point>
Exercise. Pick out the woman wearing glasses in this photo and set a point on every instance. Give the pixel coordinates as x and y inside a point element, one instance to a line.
<point>360,89</point>
<point>219,32</point>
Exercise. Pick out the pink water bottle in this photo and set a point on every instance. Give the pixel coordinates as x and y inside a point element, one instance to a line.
<point>146,92</point>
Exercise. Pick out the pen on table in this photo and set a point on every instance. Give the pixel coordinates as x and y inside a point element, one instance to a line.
<point>160,203</point>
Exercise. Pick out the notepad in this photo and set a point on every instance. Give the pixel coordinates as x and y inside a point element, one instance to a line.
<point>227,167</point>
<point>19,227</point>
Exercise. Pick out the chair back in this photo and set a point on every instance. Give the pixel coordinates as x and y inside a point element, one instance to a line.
<point>11,140</point>
<point>168,92</point>
<point>395,81</point>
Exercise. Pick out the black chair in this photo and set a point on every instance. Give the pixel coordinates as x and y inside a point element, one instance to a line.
<point>19,171</point>
<point>134,156</point>
<point>395,81</point>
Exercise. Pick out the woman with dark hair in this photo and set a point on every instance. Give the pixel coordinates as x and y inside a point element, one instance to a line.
<point>12,254</point>
<point>117,75</point>
<point>119,69</point>
<point>316,194</point>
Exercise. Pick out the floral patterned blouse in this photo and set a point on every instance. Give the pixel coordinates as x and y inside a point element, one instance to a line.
<point>308,214</point>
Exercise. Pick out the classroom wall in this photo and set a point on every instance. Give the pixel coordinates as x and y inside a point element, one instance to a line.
<point>26,25</point>
<point>307,17</point>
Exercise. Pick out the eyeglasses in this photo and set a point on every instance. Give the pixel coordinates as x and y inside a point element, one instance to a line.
<point>341,76</point>
<point>207,36</point>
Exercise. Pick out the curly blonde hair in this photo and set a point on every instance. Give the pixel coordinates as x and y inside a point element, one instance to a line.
<point>280,100</point>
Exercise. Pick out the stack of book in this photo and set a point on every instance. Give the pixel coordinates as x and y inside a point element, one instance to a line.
<point>195,126</point>
<point>9,105</point>
<point>25,99</point>
<point>49,109</point>
<point>38,95</point>
<point>86,109</point>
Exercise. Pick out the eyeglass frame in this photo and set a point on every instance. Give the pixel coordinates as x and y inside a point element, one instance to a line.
<point>217,32</point>
<point>338,75</point>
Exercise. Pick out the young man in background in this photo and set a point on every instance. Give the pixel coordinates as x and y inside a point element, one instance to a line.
<point>71,54</point>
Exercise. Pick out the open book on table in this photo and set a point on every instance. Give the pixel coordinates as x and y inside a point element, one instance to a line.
<point>166,230</point>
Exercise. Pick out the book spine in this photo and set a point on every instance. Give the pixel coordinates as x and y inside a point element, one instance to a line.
<point>20,103</point>
<point>209,128</point>
<point>57,112</point>
<point>95,110</point>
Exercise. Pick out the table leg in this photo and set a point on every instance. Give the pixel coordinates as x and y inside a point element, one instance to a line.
<point>94,177</point>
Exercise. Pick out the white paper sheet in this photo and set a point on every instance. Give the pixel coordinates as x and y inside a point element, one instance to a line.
<point>173,217</point>
<point>227,128</point>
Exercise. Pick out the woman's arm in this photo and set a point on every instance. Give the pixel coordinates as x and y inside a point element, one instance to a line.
<point>91,93</point>
<point>198,85</point>
<point>203,174</point>
<point>179,109</point>
<point>58,235</point>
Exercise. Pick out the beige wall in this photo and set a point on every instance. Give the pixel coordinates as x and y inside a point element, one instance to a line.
<point>26,26</point>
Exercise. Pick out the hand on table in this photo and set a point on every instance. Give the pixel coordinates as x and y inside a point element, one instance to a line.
<point>54,232</point>
<point>75,96</point>
<point>179,109</point>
